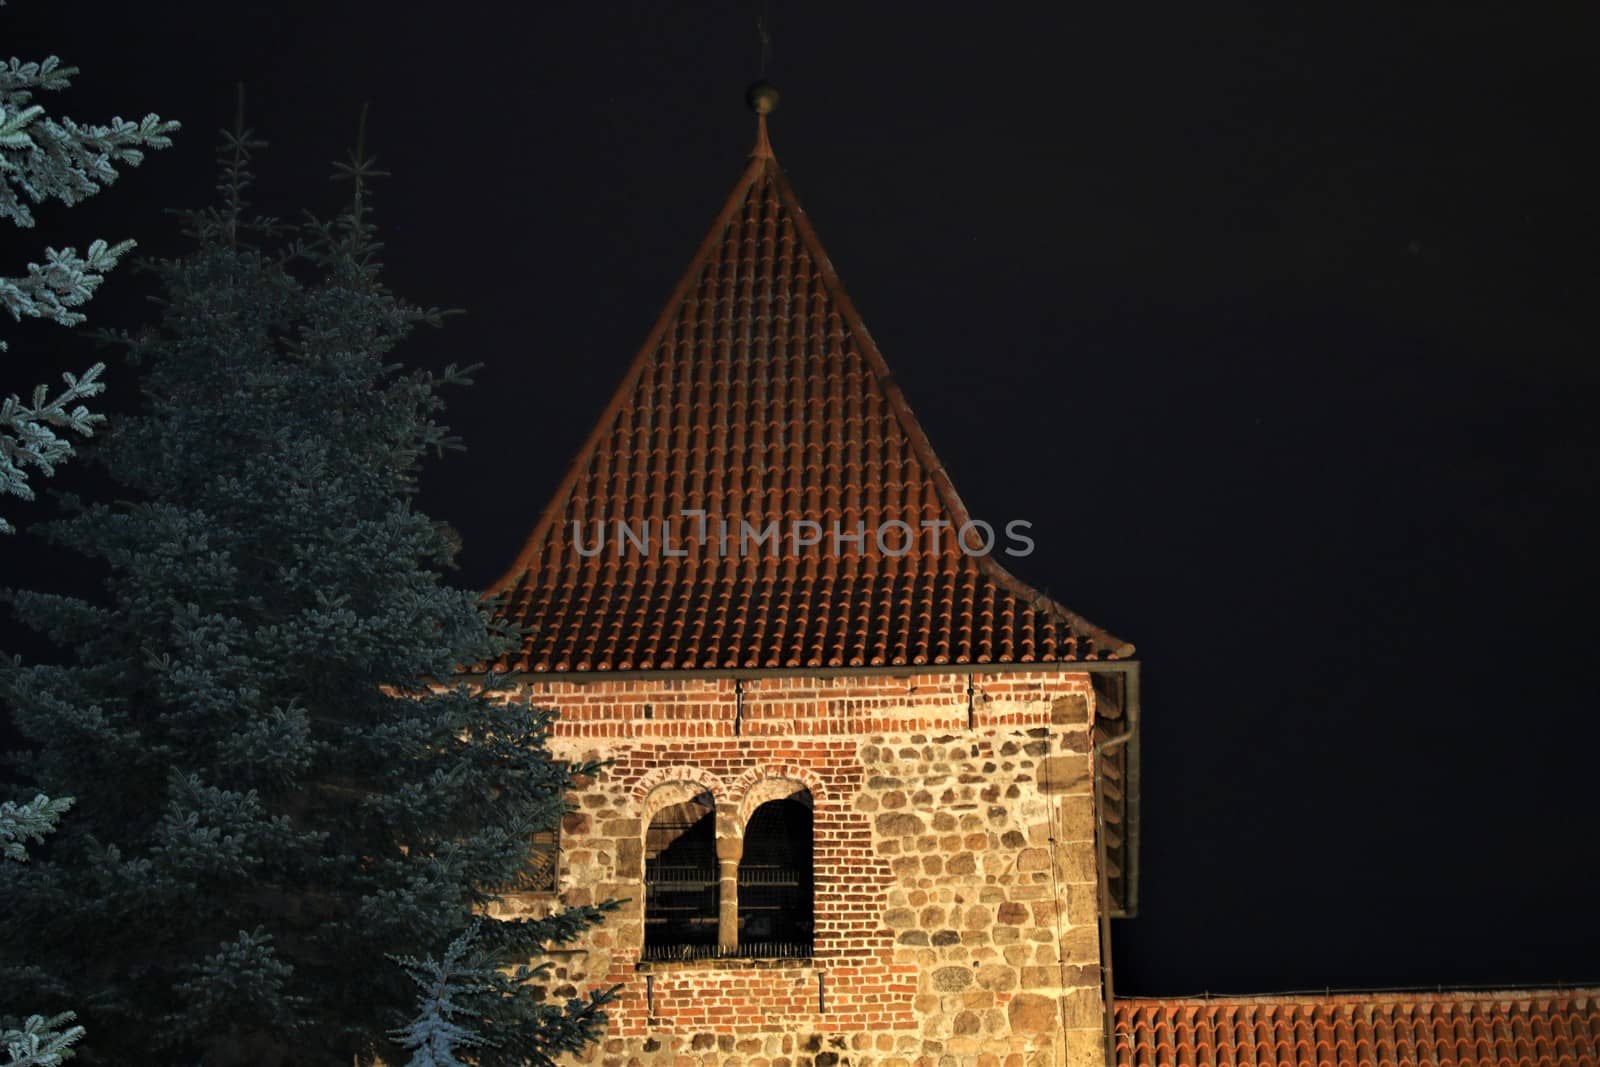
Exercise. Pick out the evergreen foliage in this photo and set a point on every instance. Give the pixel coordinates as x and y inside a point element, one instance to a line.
<point>435,1034</point>
<point>39,1041</point>
<point>42,159</point>
<point>280,792</point>
<point>24,823</point>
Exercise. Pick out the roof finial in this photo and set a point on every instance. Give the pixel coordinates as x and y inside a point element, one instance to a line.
<point>763,100</point>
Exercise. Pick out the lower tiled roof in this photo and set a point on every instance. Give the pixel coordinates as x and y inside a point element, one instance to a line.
<point>1453,1029</point>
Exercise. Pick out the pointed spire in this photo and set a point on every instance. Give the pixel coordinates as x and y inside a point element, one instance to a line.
<point>760,404</point>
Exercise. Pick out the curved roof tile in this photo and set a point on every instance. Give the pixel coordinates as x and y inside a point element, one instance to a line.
<point>1448,1029</point>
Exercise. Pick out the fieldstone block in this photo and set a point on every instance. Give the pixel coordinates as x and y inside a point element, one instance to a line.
<point>1077,818</point>
<point>1086,1047</point>
<point>1070,709</point>
<point>951,979</point>
<point>899,824</point>
<point>1076,975</point>
<point>1041,977</point>
<point>962,863</point>
<point>997,977</point>
<point>621,828</point>
<point>1030,1013</point>
<point>1075,864</point>
<point>1033,859</point>
<point>1084,1008</point>
<point>1083,904</point>
<point>1081,945</point>
<point>1061,775</point>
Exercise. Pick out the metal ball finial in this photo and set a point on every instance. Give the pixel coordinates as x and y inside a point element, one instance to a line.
<point>762,98</point>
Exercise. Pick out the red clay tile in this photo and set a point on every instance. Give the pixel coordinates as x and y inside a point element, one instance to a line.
<point>759,396</point>
<point>1451,1029</point>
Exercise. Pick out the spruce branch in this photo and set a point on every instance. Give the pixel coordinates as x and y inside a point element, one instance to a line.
<point>42,159</point>
<point>41,1041</point>
<point>437,1030</point>
<point>30,822</point>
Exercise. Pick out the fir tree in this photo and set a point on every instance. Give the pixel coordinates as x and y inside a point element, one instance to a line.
<point>278,796</point>
<point>44,159</point>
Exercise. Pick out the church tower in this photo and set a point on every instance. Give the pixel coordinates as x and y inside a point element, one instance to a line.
<point>870,799</point>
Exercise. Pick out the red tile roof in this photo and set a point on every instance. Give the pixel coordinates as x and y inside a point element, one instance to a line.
<point>1515,1029</point>
<point>760,397</point>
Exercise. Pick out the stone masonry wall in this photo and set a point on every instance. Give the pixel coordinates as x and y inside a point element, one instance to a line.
<point>955,899</point>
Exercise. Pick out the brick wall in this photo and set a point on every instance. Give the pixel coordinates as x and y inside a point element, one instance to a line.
<point>955,896</point>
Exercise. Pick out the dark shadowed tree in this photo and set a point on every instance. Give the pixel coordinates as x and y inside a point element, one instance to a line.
<point>281,794</point>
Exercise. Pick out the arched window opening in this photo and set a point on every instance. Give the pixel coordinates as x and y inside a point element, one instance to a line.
<point>775,879</point>
<point>680,877</point>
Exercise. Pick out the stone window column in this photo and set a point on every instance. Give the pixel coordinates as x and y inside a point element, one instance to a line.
<point>730,848</point>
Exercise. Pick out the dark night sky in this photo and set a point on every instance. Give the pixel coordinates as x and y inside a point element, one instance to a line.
<point>1277,324</point>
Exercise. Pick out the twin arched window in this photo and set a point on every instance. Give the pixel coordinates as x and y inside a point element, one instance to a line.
<point>711,891</point>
